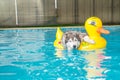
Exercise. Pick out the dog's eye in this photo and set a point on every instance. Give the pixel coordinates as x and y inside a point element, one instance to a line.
<point>75,39</point>
<point>70,40</point>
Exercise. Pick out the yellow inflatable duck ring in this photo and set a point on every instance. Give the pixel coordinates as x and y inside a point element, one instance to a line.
<point>57,42</point>
<point>93,26</point>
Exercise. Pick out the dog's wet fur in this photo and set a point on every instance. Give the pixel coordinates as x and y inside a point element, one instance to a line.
<point>71,40</point>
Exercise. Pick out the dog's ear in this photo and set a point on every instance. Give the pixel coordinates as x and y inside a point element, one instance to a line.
<point>66,38</point>
<point>82,35</point>
<point>64,41</point>
<point>78,36</point>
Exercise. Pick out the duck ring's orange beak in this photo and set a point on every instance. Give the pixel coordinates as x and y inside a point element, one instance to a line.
<point>101,30</point>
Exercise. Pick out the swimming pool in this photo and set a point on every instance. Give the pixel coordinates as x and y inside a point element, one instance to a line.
<point>29,54</point>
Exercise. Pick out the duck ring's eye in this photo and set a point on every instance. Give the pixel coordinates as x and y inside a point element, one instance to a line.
<point>92,23</point>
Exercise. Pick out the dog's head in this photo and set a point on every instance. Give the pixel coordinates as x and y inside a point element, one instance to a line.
<point>71,40</point>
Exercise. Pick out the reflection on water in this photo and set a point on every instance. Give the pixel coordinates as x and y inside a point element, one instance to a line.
<point>94,67</point>
<point>93,62</point>
<point>59,53</point>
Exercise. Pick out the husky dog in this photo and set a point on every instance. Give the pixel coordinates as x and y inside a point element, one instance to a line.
<point>72,39</point>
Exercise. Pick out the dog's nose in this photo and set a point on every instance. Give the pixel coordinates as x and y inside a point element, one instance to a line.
<point>74,46</point>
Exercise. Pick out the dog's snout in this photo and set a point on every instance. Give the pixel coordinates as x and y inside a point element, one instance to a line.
<point>74,46</point>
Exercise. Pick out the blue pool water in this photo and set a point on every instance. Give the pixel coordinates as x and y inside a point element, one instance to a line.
<point>29,54</point>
